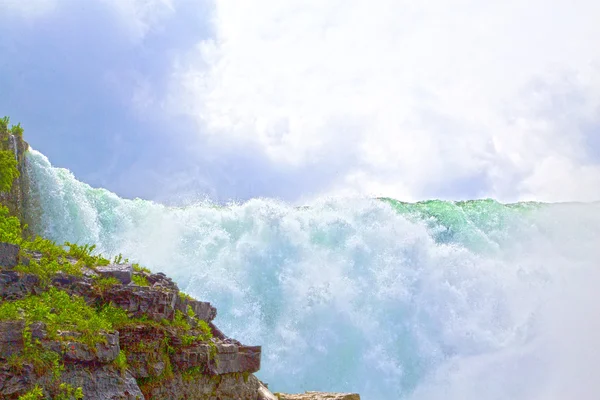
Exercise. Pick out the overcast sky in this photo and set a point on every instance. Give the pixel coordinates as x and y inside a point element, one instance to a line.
<point>232,99</point>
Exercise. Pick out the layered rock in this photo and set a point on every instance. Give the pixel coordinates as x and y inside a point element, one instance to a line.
<point>162,361</point>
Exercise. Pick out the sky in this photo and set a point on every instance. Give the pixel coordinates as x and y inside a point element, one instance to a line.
<point>177,100</point>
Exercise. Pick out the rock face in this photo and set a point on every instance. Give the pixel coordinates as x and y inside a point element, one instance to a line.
<point>17,198</point>
<point>230,387</point>
<point>122,272</point>
<point>318,396</point>
<point>9,255</point>
<point>161,361</point>
<point>166,352</point>
<point>15,286</point>
<point>103,383</point>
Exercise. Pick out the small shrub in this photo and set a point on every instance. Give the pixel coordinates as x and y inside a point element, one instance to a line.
<point>105,283</point>
<point>179,321</point>
<point>121,362</point>
<point>17,130</point>
<point>8,170</point>
<point>34,394</point>
<point>137,268</point>
<point>140,280</point>
<point>185,297</point>
<point>10,227</point>
<point>68,392</point>
<point>4,125</point>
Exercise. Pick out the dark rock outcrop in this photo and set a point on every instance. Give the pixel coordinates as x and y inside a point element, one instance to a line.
<point>9,255</point>
<point>122,272</point>
<point>15,382</point>
<point>16,285</point>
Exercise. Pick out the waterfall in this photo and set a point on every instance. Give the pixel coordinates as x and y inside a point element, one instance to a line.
<point>422,301</point>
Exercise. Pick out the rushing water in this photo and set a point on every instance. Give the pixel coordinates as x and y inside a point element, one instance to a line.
<point>433,300</point>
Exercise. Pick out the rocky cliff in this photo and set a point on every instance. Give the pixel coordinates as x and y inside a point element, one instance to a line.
<point>76,325</point>
<point>146,339</point>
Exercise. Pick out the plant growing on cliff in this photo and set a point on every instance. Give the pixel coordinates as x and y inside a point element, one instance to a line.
<point>8,170</point>
<point>10,227</point>
<point>121,362</point>
<point>4,126</point>
<point>17,130</point>
<point>68,392</point>
<point>34,394</point>
<point>60,312</point>
<point>140,280</point>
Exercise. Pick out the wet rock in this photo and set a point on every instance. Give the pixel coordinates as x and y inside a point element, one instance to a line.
<point>318,396</point>
<point>9,255</point>
<point>122,272</point>
<point>11,338</point>
<point>264,393</point>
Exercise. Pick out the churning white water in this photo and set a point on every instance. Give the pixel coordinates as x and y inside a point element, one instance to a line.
<point>434,300</point>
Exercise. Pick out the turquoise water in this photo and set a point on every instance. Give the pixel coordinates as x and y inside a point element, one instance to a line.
<point>431,300</point>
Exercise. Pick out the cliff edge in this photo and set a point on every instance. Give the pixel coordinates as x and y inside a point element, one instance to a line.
<point>76,325</point>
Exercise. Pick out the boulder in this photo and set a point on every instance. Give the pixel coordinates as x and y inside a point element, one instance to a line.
<point>122,272</point>
<point>9,255</point>
<point>231,358</point>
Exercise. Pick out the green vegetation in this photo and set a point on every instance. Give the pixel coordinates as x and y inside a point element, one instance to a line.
<point>137,268</point>
<point>5,130</point>
<point>10,227</point>
<point>102,284</point>
<point>8,170</point>
<point>60,312</point>
<point>140,280</point>
<point>121,362</point>
<point>34,394</point>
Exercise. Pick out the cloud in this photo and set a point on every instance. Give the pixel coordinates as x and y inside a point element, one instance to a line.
<point>296,99</point>
<point>410,99</point>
